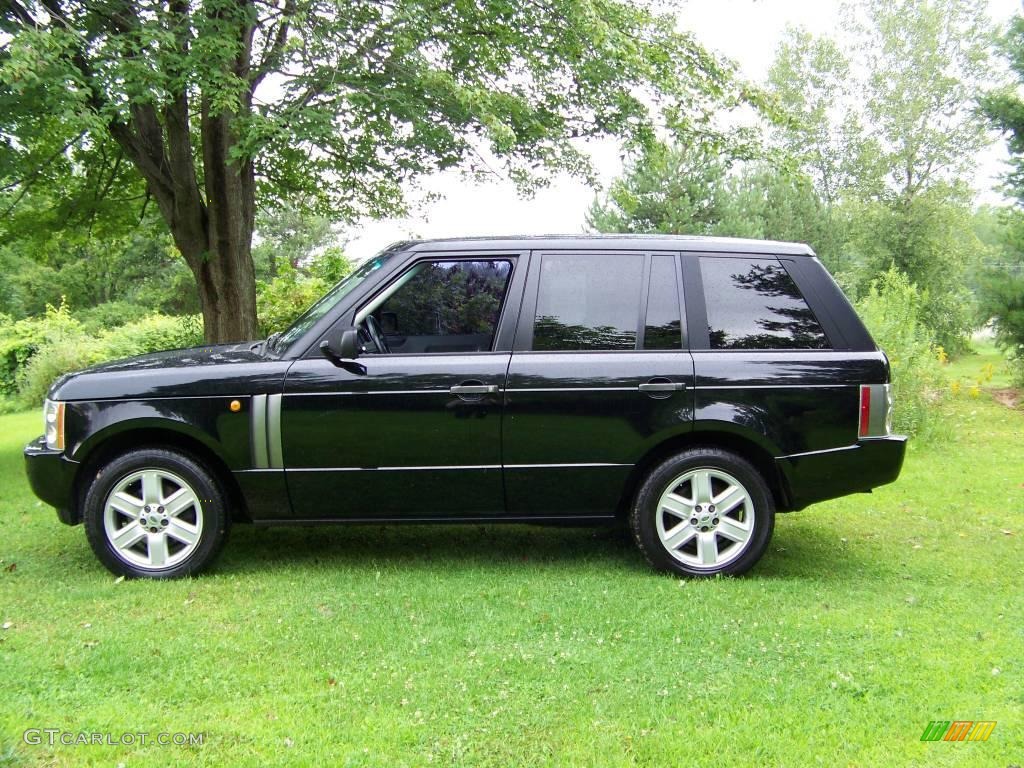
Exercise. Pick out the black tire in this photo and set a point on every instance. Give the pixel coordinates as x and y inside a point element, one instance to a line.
<point>758,509</point>
<point>208,517</point>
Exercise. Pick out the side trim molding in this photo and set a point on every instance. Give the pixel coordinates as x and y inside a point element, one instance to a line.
<point>265,432</point>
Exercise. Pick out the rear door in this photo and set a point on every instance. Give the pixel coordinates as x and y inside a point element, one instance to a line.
<point>599,374</point>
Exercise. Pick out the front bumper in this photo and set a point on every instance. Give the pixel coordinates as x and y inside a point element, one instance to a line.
<point>820,475</point>
<point>52,477</point>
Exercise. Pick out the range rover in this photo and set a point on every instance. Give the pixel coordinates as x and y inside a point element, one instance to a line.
<point>689,387</point>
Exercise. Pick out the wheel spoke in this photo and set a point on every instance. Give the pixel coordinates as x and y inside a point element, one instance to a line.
<point>126,505</point>
<point>179,501</point>
<point>128,536</point>
<point>734,529</point>
<point>152,491</point>
<point>157,549</point>
<point>677,505</point>
<point>707,547</point>
<point>701,487</point>
<point>182,531</point>
<point>679,535</point>
<point>729,499</point>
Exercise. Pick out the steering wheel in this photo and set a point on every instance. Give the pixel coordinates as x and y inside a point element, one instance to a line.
<point>373,331</point>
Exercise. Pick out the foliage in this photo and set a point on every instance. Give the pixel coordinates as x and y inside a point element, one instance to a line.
<point>35,351</point>
<point>925,62</point>
<point>892,311</point>
<point>691,190</point>
<point>814,84</point>
<point>225,107</point>
<point>1002,300</point>
<point>288,238</point>
<point>284,298</point>
<point>139,268</point>
<point>931,239</point>
<point>666,190</point>
<point>1004,107</point>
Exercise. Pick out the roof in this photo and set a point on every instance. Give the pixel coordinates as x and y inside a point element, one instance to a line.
<point>617,242</point>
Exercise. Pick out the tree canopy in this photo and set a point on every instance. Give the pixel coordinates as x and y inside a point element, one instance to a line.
<point>212,108</point>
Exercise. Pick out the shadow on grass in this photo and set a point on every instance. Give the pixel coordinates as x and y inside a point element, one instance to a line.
<point>791,555</point>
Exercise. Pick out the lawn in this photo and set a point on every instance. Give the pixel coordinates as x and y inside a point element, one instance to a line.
<point>490,646</point>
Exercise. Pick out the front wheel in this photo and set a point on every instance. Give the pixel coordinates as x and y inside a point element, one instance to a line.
<point>703,512</point>
<point>155,513</point>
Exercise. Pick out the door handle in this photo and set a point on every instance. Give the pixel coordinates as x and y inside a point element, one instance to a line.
<point>661,386</point>
<point>474,389</point>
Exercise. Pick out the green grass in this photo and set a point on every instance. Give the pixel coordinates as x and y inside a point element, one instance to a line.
<point>471,646</point>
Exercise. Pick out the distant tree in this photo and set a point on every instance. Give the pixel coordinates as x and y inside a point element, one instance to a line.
<point>218,107</point>
<point>667,190</point>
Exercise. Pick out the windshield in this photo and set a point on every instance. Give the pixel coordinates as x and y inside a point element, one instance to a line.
<point>330,300</point>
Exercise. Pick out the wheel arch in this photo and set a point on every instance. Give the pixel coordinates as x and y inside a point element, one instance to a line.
<point>106,445</point>
<point>726,438</point>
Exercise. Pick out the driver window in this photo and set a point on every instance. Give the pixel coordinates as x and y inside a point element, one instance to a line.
<point>444,306</point>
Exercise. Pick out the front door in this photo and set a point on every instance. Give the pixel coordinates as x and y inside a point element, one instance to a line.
<point>418,435</point>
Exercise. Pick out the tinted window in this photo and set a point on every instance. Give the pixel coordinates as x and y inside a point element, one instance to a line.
<point>662,329</point>
<point>446,306</point>
<point>754,304</point>
<point>588,302</point>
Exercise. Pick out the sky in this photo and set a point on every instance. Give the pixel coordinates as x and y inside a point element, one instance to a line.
<point>745,31</point>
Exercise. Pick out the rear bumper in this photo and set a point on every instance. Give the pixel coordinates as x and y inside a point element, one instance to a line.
<point>52,477</point>
<point>820,475</point>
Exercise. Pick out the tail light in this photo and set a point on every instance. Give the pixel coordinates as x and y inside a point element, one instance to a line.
<point>875,410</point>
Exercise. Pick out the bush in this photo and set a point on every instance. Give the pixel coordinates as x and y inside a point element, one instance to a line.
<point>46,348</point>
<point>20,340</point>
<point>112,314</point>
<point>1002,300</point>
<point>892,312</point>
<point>284,298</point>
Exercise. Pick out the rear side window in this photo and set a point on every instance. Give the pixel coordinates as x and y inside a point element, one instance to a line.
<point>754,304</point>
<point>588,301</point>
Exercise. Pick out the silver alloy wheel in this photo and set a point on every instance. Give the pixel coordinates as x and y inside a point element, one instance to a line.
<point>705,518</point>
<point>153,519</point>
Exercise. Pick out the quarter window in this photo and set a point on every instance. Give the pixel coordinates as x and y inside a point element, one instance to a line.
<point>754,304</point>
<point>588,301</point>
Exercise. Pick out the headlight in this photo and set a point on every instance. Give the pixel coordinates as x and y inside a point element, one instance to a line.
<point>53,424</point>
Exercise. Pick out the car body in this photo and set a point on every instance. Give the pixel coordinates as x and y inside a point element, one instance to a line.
<point>538,379</point>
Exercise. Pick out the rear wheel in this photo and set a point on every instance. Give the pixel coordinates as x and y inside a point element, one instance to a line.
<point>155,513</point>
<point>703,512</point>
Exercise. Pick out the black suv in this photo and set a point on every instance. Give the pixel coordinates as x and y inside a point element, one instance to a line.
<point>690,386</point>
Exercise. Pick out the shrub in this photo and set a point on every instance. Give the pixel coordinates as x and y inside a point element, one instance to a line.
<point>892,312</point>
<point>1002,300</point>
<point>150,334</point>
<point>112,314</point>
<point>20,340</point>
<point>284,298</point>
<point>61,345</point>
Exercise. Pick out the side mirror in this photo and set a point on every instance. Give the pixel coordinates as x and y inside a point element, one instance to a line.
<point>344,354</point>
<point>349,346</point>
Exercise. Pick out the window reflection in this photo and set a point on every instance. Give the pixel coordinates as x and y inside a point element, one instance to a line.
<point>754,304</point>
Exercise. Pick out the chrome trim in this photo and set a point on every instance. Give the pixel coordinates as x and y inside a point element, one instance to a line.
<point>371,392</point>
<point>258,431</point>
<point>774,386</point>
<point>451,467</point>
<point>392,469</point>
<point>815,453</point>
<point>274,432</point>
<point>564,466</point>
<point>573,389</point>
